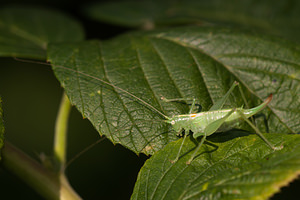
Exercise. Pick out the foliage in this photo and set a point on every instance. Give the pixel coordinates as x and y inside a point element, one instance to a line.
<point>231,165</point>
<point>199,61</point>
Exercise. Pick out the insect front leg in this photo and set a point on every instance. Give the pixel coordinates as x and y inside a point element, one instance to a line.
<point>178,154</point>
<point>192,107</point>
<point>183,99</point>
<point>196,150</point>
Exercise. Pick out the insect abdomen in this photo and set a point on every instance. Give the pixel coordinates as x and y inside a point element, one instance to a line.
<point>203,119</point>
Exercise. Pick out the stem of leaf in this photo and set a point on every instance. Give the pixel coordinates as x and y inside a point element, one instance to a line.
<point>48,183</point>
<point>60,137</point>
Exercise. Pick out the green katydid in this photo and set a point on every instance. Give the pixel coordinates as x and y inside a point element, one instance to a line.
<point>203,123</point>
<point>216,119</point>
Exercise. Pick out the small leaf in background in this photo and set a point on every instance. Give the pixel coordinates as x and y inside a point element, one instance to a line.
<point>1,128</point>
<point>26,32</point>
<point>230,165</point>
<point>199,63</point>
<point>273,17</point>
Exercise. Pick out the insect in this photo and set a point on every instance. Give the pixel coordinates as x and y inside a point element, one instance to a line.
<point>202,124</point>
<point>215,120</point>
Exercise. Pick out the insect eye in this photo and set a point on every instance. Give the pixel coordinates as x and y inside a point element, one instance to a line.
<point>172,122</point>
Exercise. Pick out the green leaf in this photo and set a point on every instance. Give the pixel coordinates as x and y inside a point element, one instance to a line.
<point>26,31</point>
<point>274,17</point>
<point>199,63</point>
<point>1,128</point>
<point>231,165</point>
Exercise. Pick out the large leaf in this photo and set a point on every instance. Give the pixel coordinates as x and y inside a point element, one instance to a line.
<point>274,17</point>
<point>26,31</point>
<point>1,128</point>
<point>226,167</point>
<point>199,63</point>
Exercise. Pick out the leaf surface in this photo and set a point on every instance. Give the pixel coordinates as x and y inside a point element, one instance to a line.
<point>193,62</point>
<point>274,17</point>
<point>231,165</point>
<point>1,128</point>
<point>26,31</point>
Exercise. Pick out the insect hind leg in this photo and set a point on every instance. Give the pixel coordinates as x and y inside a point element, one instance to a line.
<point>262,115</point>
<point>257,131</point>
<point>219,104</point>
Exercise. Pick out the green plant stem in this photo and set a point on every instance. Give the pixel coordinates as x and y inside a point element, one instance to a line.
<point>49,184</point>
<point>61,126</point>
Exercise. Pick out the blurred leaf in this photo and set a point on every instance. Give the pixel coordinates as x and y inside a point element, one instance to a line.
<point>199,63</point>
<point>1,128</point>
<point>226,167</point>
<point>274,17</point>
<point>26,31</point>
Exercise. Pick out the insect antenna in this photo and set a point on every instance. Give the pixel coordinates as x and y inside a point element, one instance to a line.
<point>118,88</point>
<point>153,120</point>
<point>105,82</point>
<point>31,61</point>
<point>109,84</point>
<point>103,138</point>
<point>83,151</point>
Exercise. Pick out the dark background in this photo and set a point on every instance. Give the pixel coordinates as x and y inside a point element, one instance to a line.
<point>31,97</point>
